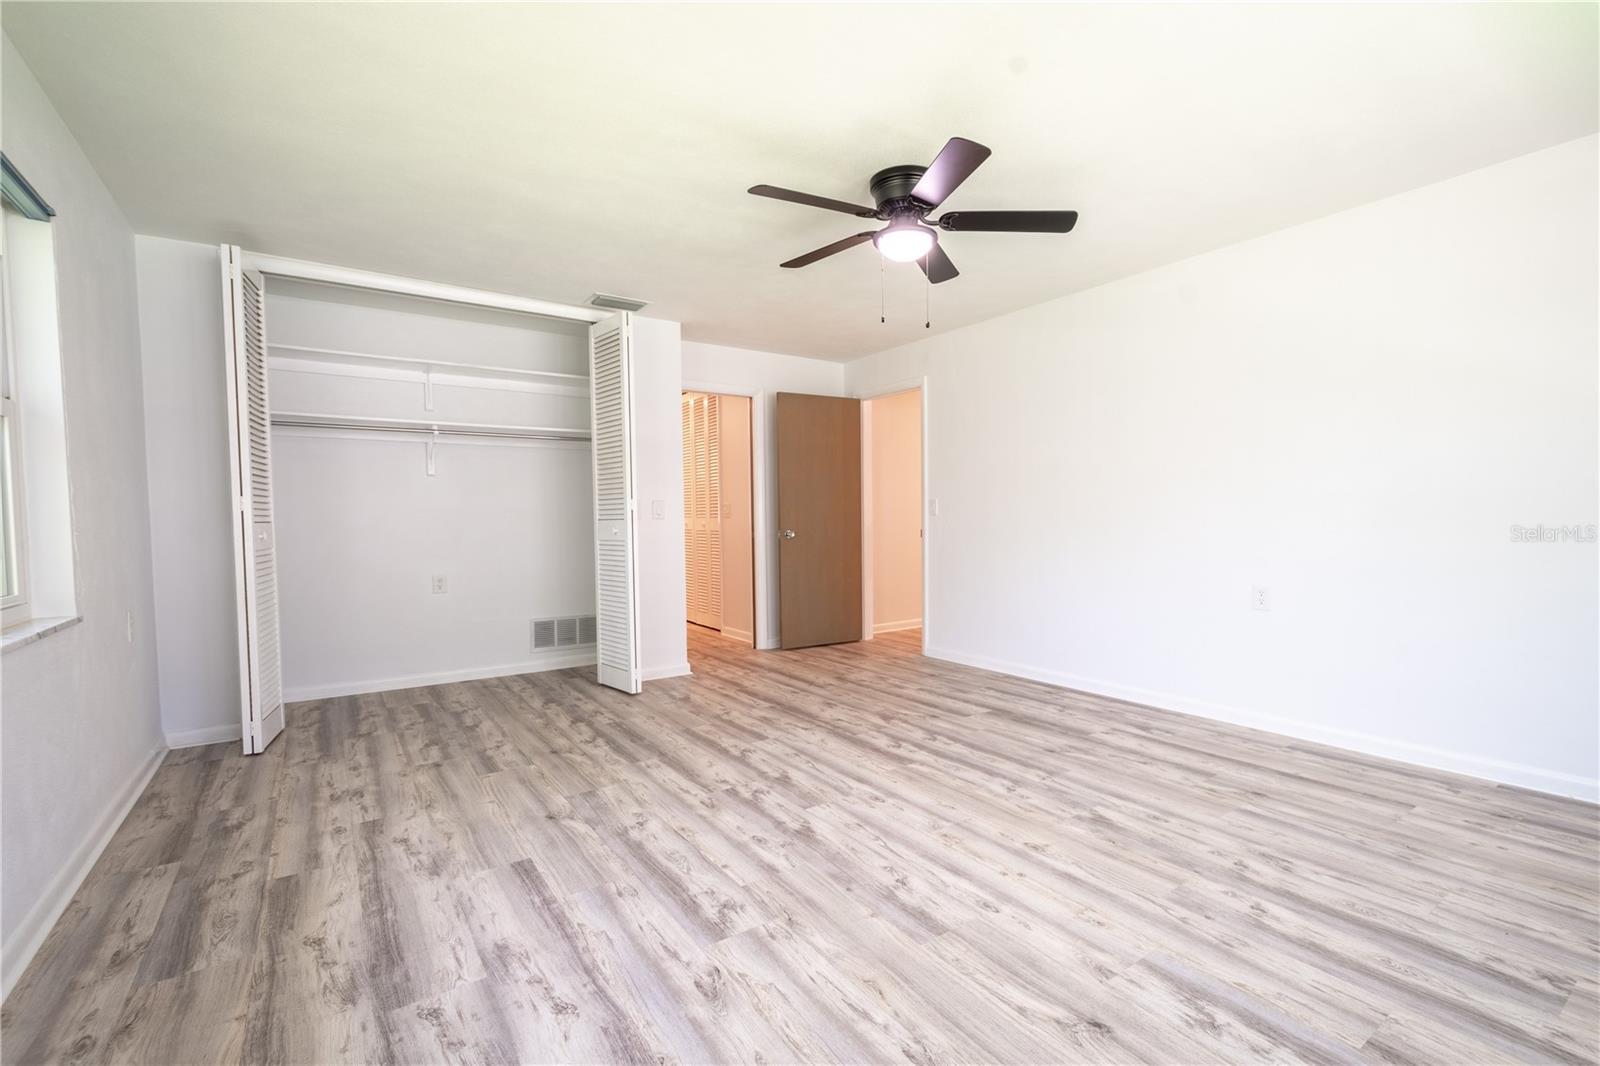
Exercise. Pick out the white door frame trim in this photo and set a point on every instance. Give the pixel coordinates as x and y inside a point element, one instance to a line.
<point>305,270</point>
<point>905,385</point>
<point>766,630</point>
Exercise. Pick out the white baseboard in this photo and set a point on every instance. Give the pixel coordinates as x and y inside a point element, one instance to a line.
<point>739,634</point>
<point>1459,762</point>
<point>196,738</point>
<point>658,673</point>
<point>28,936</point>
<point>556,660</point>
<point>892,627</point>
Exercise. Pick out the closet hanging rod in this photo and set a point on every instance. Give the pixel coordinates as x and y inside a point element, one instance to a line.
<point>427,429</point>
<point>442,366</point>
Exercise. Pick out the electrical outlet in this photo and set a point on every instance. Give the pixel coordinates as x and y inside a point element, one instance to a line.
<point>130,627</point>
<point>933,507</point>
<point>1260,599</point>
<point>440,584</point>
<point>658,509</point>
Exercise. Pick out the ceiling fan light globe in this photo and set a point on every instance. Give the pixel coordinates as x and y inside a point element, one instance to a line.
<point>904,244</point>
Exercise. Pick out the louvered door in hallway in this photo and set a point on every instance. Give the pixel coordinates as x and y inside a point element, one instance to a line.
<point>702,509</point>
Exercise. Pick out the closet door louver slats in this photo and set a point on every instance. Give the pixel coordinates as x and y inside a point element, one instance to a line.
<point>611,401</point>
<point>255,556</point>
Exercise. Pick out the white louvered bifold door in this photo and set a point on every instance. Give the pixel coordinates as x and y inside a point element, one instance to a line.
<point>255,553</point>
<point>616,597</point>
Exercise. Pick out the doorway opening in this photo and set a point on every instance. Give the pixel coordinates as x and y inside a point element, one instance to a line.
<point>718,516</point>
<point>892,515</point>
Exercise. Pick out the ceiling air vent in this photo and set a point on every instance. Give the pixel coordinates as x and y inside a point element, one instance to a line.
<point>615,303</point>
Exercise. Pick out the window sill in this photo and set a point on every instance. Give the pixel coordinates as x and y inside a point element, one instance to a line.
<point>34,629</point>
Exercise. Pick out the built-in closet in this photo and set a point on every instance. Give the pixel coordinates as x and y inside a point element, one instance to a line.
<point>433,484</point>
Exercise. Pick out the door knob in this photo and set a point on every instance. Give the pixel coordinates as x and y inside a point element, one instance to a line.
<point>788,534</point>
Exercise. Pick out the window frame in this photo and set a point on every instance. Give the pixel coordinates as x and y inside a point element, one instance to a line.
<point>25,591</point>
<point>14,607</point>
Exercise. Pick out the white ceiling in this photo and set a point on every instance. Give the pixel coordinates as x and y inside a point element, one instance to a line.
<point>556,150</point>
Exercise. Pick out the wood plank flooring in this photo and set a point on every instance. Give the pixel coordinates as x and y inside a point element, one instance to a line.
<point>846,854</point>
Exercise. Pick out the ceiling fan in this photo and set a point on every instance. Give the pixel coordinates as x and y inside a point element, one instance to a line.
<point>905,195</point>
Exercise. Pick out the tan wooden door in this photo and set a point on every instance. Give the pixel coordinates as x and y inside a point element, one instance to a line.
<point>819,520</point>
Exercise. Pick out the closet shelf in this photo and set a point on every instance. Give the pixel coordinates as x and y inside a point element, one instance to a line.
<point>425,426</point>
<point>439,366</point>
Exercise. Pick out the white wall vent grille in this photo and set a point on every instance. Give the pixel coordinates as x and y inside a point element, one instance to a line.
<point>616,303</point>
<point>564,632</point>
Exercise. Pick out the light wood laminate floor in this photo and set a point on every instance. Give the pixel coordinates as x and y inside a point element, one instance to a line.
<point>847,854</point>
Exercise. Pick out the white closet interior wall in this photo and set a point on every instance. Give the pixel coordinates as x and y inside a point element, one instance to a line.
<point>366,533</point>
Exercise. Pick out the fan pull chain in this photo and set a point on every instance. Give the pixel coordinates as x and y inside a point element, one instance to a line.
<point>882,302</point>
<point>927,296</point>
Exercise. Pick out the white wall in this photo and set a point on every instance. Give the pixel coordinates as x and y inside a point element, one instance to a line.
<point>186,437</point>
<point>658,476</point>
<point>765,374</point>
<point>716,364</point>
<point>81,728</point>
<point>738,533</point>
<point>893,428</point>
<point>1351,413</point>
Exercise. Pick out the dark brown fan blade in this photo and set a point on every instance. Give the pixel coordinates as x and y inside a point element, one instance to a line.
<point>954,164</point>
<point>1009,221</point>
<point>827,250</point>
<point>937,266</point>
<point>813,201</point>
